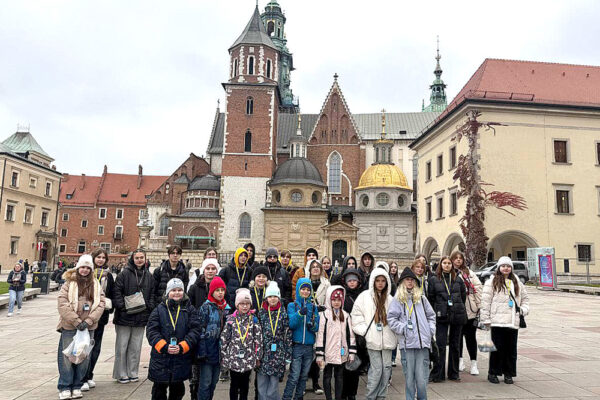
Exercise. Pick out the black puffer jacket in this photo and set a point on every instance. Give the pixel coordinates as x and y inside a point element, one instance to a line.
<point>337,279</point>
<point>278,274</point>
<point>455,314</point>
<point>232,275</point>
<point>164,273</point>
<point>126,284</point>
<point>351,294</point>
<point>199,292</point>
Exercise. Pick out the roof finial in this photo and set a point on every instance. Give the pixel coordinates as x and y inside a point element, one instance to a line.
<point>299,130</point>
<point>335,77</point>
<point>438,68</point>
<point>383,123</point>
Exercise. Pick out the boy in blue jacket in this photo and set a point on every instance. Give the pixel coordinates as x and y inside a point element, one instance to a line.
<point>304,323</point>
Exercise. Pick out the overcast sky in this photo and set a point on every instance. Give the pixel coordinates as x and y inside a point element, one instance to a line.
<point>124,83</point>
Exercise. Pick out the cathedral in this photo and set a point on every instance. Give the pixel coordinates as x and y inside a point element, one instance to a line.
<point>341,182</point>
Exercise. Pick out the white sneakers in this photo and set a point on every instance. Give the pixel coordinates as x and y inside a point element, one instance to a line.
<point>474,370</point>
<point>91,384</point>
<point>76,394</point>
<point>9,314</point>
<point>461,364</point>
<point>85,387</point>
<point>64,395</point>
<point>18,311</point>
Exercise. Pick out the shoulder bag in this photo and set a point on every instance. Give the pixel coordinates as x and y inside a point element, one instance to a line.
<point>135,303</point>
<point>522,323</point>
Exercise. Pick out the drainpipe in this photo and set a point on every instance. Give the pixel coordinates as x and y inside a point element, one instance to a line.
<point>2,186</point>
<point>55,222</point>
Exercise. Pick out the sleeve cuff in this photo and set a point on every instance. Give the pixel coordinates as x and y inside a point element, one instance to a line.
<point>160,344</point>
<point>185,346</point>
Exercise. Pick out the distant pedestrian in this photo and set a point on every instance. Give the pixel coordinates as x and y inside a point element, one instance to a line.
<point>44,265</point>
<point>503,301</point>
<point>16,279</point>
<point>26,265</point>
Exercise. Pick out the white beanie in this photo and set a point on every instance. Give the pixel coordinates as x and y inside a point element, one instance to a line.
<point>242,294</point>
<point>85,261</point>
<point>272,290</point>
<point>210,261</point>
<point>504,260</point>
<point>173,284</point>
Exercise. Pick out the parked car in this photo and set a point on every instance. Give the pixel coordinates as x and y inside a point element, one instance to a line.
<point>519,268</point>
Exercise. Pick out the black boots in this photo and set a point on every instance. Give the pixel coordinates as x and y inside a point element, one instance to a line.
<point>493,379</point>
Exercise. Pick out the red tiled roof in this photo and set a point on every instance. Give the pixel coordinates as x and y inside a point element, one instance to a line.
<point>81,197</point>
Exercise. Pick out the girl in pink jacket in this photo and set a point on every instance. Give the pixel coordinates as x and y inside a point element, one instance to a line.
<point>335,341</point>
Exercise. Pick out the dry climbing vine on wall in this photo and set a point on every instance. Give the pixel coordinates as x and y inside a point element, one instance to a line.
<point>471,187</point>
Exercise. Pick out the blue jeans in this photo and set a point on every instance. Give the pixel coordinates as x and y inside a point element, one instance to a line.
<point>15,296</point>
<point>70,375</point>
<point>268,386</point>
<point>302,357</point>
<point>207,382</point>
<point>415,365</point>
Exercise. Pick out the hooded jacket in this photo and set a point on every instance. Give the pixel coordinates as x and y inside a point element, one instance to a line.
<point>251,260</point>
<point>212,322</point>
<point>351,294</point>
<point>422,319</point>
<point>334,335</point>
<point>198,292</point>
<point>337,279</point>
<point>164,367</point>
<point>386,267</point>
<point>235,276</point>
<point>363,269</point>
<point>278,274</point>
<point>494,306</point>
<point>363,313</point>
<point>473,301</point>
<point>130,281</point>
<point>319,295</point>
<point>273,362</point>
<point>303,327</point>
<point>71,304</point>
<point>163,274</point>
<point>238,356</point>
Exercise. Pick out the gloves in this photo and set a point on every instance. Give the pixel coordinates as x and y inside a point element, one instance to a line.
<point>82,326</point>
<point>303,310</point>
<point>321,308</point>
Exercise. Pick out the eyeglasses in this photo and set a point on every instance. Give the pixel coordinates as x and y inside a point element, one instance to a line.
<point>176,253</point>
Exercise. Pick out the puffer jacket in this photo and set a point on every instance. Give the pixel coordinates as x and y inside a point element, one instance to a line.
<point>238,356</point>
<point>279,274</point>
<point>235,276</point>
<point>107,282</point>
<point>163,274</point>
<point>165,367</point>
<point>126,284</point>
<point>258,296</point>
<point>438,298</point>
<point>473,302</point>
<point>319,292</point>
<point>71,304</point>
<point>334,335</point>
<point>422,318</point>
<point>198,292</point>
<point>363,313</point>
<point>273,362</point>
<point>351,294</point>
<point>337,278</point>
<point>386,267</point>
<point>303,327</point>
<point>17,280</point>
<point>494,306</point>
<point>212,323</point>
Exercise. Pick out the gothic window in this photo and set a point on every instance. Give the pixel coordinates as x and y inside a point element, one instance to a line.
<point>235,67</point>
<point>248,142</point>
<point>250,106</point>
<point>269,69</point>
<point>245,226</point>
<point>334,176</point>
<point>251,65</point>
<point>163,229</point>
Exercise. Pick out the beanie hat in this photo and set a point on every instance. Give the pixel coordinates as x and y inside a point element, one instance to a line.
<point>351,274</point>
<point>210,261</point>
<point>504,260</point>
<point>272,290</point>
<point>408,273</point>
<point>338,294</point>
<point>271,251</point>
<point>216,283</point>
<point>174,284</point>
<point>242,295</point>
<point>260,270</point>
<point>85,261</point>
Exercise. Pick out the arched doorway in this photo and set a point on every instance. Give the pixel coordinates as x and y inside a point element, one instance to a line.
<point>453,242</point>
<point>198,239</point>
<point>339,251</point>
<point>430,248</point>
<point>511,243</point>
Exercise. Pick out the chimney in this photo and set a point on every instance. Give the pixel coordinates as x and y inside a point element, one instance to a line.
<point>105,170</point>
<point>139,182</point>
<point>65,176</point>
<point>82,182</point>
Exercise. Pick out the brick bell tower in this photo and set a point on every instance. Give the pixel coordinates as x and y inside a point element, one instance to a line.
<point>249,149</point>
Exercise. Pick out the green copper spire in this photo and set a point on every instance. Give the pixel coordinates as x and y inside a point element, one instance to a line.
<point>438,102</point>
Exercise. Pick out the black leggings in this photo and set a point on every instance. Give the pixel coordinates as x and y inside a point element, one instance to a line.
<point>351,381</point>
<point>337,370</point>
<point>176,391</point>
<point>469,335</point>
<point>238,388</point>
<point>313,374</point>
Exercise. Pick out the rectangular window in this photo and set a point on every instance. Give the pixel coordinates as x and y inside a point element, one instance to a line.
<point>118,232</point>
<point>44,220</point>
<point>452,158</point>
<point>48,189</point>
<point>453,203</point>
<point>81,246</point>
<point>62,248</point>
<point>14,245</point>
<point>84,223</point>
<point>440,165</point>
<point>562,202</point>
<point>120,212</point>
<point>63,232</point>
<point>10,212</point>
<point>65,217</point>
<point>428,210</point>
<point>597,153</point>
<point>32,182</point>
<point>584,253</point>
<point>100,229</point>
<point>28,217</point>
<point>440,207</point>
<point>560,151</point>
<point>102,213</point>
<point>105,246</point>
<point>428,171</point>
<point>14,179</point>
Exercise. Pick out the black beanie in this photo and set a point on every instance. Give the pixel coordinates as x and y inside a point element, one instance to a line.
<point>261,269</point>
<point>408,273</point>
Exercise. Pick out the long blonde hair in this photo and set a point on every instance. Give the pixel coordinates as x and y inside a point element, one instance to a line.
<point>402,293</point>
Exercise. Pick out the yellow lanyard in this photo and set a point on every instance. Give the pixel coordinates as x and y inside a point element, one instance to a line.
<point>276,321</point>
<point>100,277</point>
<point>174,323</point>
<point>508,284</point>
<point>257,299</point>
<point>242,338</point>
<point>237,270</point>
<point>447,284</point>
<point>410,310</point>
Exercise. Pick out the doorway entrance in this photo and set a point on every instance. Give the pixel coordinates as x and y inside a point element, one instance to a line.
<point>340,250</point>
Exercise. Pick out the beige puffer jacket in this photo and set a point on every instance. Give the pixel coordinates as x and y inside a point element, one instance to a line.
<point>71,304</point>
<point>494,306</point>
<point>473,302</point>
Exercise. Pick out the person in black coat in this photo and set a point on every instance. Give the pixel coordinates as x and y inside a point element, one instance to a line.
<point>278,274</point>
<point>348,263</point>
<point>130,325</point>
<point>173,330</point>
<point>236,275</point>
<point>169,269</point>
<point>107,282</point>
<point>447,295</point>
<point>198,292</point>
<point>251,249</point>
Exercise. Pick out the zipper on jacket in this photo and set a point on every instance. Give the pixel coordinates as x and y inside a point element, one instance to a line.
<point>418,328</point>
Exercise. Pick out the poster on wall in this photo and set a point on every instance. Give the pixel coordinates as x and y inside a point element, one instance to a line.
<point>542,266</point>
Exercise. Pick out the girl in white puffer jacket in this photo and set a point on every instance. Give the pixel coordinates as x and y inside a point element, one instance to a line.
<point>504,298</point>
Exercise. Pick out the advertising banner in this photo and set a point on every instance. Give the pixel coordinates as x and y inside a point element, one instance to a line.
<point>542,265</point>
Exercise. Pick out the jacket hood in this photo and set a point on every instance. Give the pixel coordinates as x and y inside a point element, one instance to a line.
<point>352,271</point>
<point>366,253</point>
<point>345,262</point>
<point>379,272</point>
<point>303,281</point>
<point>251,259</point>
<point>328,294</point>
<point>307,268</point>
<point>69,275</point>
<point>237,256</point>
<point>384,265</point>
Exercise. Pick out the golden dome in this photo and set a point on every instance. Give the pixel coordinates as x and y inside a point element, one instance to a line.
<point>383,175</point>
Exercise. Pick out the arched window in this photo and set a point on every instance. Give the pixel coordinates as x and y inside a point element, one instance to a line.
<point>251,65</point>
<point>269,69</point>
<point>334,176</point>
<point>163,224</point>
<point>245,226</point>
<point>236,65</point>
<point>249,106</point>
<point>270,28</point>
<point>248,142</point>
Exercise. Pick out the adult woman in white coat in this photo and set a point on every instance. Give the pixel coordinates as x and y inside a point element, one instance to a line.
<point>504,299</point>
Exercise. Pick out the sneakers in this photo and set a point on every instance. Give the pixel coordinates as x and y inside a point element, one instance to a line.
<point>123,380</point>
<point>76,394</point>
<point>394,363</point>
<point>493,378</point>
<point>134,379</point>
<point>461,364</point>
<point>9,314</point>
<point>85,387</point>
<point>64,395</point>
<point>317,389</point>
<point>91,383</point>
<point>474,370</point>
<point>18,311</point>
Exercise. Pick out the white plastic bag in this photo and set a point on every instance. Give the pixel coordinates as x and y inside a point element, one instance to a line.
<point>80,347</point>
<point>486,345</point>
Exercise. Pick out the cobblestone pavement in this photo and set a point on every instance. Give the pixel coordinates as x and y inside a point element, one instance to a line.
<point>559,357</point>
